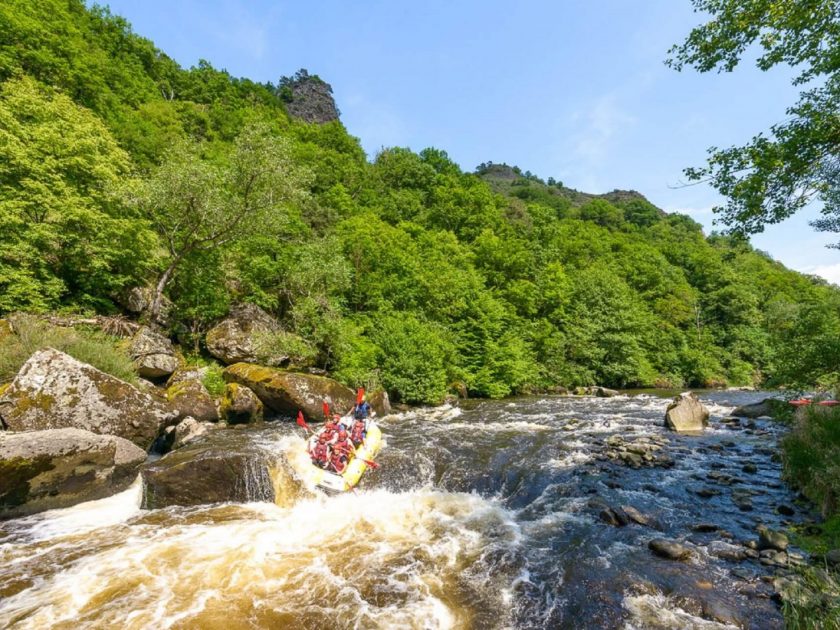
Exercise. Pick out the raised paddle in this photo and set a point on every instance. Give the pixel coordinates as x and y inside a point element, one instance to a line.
<point>302,423</point>
<point>326,407</point>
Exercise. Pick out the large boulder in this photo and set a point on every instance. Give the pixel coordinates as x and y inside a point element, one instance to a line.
<point>686,414</point>
<point>240,405</point>
<point>288,392</point>
<point>380,403</point>
<point>224,466</point>
<point>233,339</point>
<point>53,391</point>
<point>153,354</point>
<point>138,301</point>
<point>57,468</point>
<point>191,398</point>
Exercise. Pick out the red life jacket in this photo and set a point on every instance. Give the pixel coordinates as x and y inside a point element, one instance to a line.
<point>319,452</point>
<point>358,433</point>
<point>339,462</point>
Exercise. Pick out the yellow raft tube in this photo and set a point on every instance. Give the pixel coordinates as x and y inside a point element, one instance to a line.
<point>356,467</point>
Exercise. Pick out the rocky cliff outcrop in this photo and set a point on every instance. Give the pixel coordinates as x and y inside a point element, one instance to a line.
<point>288,392</point>
<point>53,391</point>
<point>57,468</point>
<point>308,97</point>
<point>686,414</point>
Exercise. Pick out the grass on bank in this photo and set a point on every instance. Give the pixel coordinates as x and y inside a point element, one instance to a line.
<point>30,333</point>
<point>811,458</point>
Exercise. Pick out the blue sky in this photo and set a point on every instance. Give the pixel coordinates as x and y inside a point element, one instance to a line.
<point>576,90</point>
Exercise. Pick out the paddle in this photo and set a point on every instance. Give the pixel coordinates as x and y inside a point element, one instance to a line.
<point>326,407</point>
<point>302,423</point>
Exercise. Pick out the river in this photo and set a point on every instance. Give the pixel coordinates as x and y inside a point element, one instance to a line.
<point>486,516</point>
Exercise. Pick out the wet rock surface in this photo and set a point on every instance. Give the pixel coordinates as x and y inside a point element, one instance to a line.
<point>56,468</point>
<point>53,391</point>
<point>222,466</point>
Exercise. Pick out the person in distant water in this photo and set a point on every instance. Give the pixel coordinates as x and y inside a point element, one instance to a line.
<point>320,452</point>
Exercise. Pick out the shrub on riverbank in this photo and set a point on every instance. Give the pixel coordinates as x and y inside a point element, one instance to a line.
<point>811,455</point>
<point>31,333</point>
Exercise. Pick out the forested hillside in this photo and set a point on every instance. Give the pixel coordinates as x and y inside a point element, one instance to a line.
<point>118,169</point>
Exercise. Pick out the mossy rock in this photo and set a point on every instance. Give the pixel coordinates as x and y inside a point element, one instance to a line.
<point>44,470</point>
<point>191,399</point>
<point>240,405</point>
<point>287,393</point>
<point>53,390</point>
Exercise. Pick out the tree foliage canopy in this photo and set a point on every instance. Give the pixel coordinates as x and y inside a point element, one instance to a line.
<point>119,169</point>
<point>775,174</point>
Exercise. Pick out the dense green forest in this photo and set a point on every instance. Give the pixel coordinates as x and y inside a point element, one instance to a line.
<point>118,168</point>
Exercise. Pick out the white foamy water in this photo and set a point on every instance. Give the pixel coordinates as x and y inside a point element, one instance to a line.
<point>375,559</point>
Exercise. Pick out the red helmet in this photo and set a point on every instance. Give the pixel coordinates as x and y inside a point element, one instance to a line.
<point>322,438</point>
<point>336,417</point>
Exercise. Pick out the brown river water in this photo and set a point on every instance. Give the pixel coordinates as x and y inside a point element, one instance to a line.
<point>480,517</point>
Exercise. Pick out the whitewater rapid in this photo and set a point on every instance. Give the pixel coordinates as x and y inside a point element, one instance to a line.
<point>479,518</point>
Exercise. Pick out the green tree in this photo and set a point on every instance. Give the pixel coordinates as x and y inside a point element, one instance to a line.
<point>775,175</point>
<point>62,235</point>
<point>197,205</point>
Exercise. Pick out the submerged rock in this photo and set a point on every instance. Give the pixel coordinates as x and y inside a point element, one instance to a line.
<point>288,392</point>
<point>240,405</point>
<point>57,468</point>
<point>771,539</point>
<point>670,549</point>
<point>53,391</point>
<point>767,407</point>
<point>727,551</point>
<point>686,414</point>
<point>153,354</point>
<point>232,340</point>
<point>224,466</point>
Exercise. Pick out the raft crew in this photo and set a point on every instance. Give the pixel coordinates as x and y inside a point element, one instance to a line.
<point>358,432</point>
<point>320,452</point>
<point>341,451</point>
<point>361,410</point>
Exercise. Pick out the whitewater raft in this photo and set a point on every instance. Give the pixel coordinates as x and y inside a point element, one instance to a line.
<point>356,466</point>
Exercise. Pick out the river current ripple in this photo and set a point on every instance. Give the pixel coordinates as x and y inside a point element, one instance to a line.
<point>485,516</point>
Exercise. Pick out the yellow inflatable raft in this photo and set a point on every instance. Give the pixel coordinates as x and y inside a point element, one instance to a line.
<point>356,467</point>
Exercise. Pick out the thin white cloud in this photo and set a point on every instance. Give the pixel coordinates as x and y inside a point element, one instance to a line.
<point>601,123</point>
<point>829,272</point>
